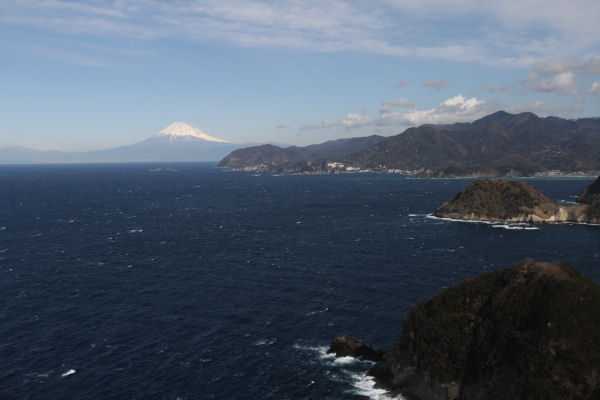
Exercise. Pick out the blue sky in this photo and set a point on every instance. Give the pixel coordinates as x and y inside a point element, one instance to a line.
<point>98,74</point>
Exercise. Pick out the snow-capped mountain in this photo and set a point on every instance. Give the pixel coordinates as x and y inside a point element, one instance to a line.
<point>176,142</point>
<point>182,130</point>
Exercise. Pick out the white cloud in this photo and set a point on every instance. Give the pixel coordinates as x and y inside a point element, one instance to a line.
<point>511,32</point>
<point>387,105</point>
<point>563,83</point>
<point>436,84</point>
<point>455,109</point>
<point>399,84</point>
<point>351,121</point>
<point>595,88</point>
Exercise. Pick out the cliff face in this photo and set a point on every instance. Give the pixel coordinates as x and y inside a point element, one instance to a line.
<point>512,201</point>
<point>526,332</point>
<point>590,193</point>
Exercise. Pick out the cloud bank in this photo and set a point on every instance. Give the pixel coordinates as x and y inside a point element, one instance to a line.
<point>454,109</point>
<point>510,33</point>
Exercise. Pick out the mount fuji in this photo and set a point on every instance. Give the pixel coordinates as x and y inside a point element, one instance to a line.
<point>177,142</point>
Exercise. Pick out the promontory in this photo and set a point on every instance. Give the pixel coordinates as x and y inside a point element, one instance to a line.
<point>500,200</point>
<point>525,332</point>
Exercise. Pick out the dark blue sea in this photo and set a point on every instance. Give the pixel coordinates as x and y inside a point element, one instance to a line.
<point>126,282</point>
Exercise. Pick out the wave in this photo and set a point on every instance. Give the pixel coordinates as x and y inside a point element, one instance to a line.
<point>493,224</point>
<point>69,372</point>
<point>265,342</point>
<point>351,371</point>
<point>364,385</point>
<point>517,227</point>
<point>309,314</point>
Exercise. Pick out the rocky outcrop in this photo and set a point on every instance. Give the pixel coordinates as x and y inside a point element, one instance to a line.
<point>500,200</point>
<point>590,193</point>
<point>526,332</point>
<point>349,346</point>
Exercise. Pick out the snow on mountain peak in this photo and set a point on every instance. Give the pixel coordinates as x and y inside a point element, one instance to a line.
<point>180,129</point>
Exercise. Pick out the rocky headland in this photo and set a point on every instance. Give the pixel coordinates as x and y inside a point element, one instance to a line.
<point>525,332</point>
<point>500,200</point>
<point>591,193</point>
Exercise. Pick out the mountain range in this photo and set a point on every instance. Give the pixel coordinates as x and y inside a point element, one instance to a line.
<point>177,142</point>
<point>499,144</point>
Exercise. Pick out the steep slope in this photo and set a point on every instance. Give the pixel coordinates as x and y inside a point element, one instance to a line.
<point>499,144</point>
<point>591,197</point>
<point>525,332</point>
<point>269,157</point>
<point>590,193</point>
<point>502,200</point>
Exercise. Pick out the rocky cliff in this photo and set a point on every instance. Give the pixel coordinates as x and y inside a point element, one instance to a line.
<point>590,193</point>
<point>502,200</point>
<point>529,331</point>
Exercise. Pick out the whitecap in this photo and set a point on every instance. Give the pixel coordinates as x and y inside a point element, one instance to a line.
<point>364,385</point>
<point>493,224</point>
<point>69,372</point>
<point>310,314</point>
<point>265,342</point>
<point>345,360</point>
<point>515,227</point>
<point>134,230</point>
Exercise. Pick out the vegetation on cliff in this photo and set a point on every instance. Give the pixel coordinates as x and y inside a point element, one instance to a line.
<point>497,199</point>
<point>591,196</point>
<point>529,331</point>
<point>513,201</point>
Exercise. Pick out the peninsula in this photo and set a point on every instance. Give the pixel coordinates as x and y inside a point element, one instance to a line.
<point>499,144</point>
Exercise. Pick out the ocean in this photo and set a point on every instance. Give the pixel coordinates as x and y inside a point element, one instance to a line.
<point>139,281</point>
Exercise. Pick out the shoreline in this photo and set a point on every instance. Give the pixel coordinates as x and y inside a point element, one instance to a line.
<point>414,175</point>
<point>509,223</point>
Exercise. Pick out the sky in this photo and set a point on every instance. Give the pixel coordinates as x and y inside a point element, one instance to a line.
<point>78,75</point>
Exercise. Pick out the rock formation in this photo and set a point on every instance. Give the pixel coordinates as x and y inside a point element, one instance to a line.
<point>502,200</point>
<point>349,346</point>
<point>590,193</point>
<point>529,331</point>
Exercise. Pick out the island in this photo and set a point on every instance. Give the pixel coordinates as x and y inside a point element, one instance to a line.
<point>500,200</point>
<point>529,331</point>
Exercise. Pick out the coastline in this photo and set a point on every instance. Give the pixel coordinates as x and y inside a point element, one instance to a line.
<point>419,174</point>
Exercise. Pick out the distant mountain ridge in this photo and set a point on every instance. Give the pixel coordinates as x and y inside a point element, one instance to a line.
<point>499,144</point>
<point>270,157</point>
<point>177,142</point>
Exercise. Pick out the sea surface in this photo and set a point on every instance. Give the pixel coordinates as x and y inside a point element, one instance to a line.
<point>127,282</point>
